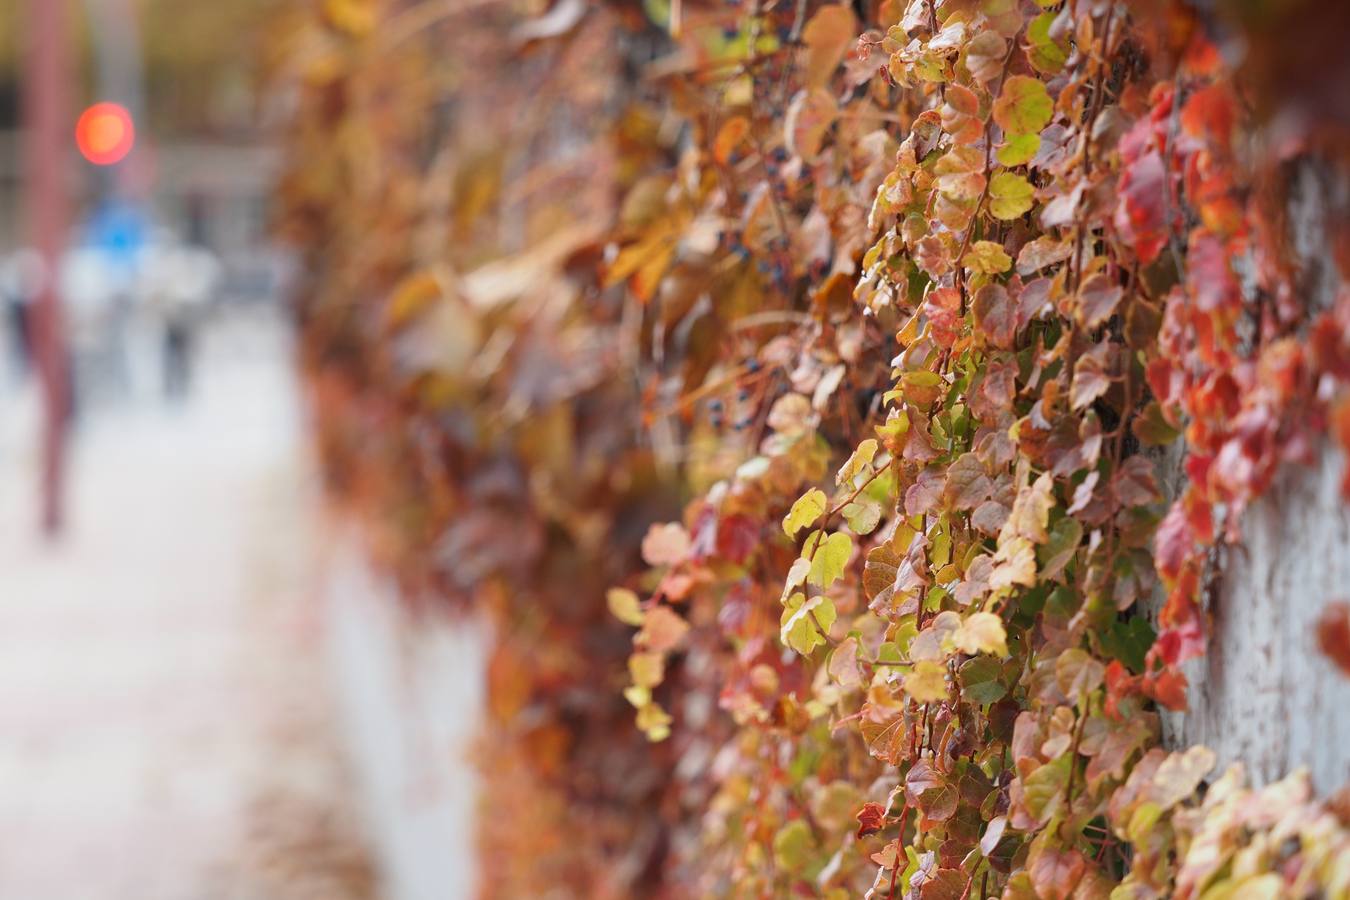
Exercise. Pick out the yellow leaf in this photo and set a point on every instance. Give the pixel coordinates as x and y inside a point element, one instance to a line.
<point>861,458</point>
<point>987,257</point>
<point>830,558</point>
<point>804,512</point>
<point>647,669</point>
<point>1009,195</point>
<point>654,722</point>
<point>624,606</point>
<point>827,37</point>
<point>982,632</point>
<point>928,682</point>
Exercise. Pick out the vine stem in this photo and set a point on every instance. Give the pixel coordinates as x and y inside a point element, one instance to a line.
<point>984,192</point>
<point>895,865</point>
<point>854,496</point>
<point>1073,760</point>
<point>820,533</point>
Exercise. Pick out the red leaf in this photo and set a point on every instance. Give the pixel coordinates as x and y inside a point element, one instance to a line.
<point>1097,300</point>
<point>871,819</point>
<point>1055,872</point>
<point>995,315</point>
<point>1333,635</point>
<point>737,537</point>
<point>1168,687</point>
<point>1173,542</point>
<point>1209,114</point>
<point>942,308</point>
<point>967,483</point>
<point>1209,277</point>
<point>925,491</point>
<point>1139,212</point>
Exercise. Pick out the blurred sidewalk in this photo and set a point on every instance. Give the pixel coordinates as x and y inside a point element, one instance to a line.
<point>164,724</point>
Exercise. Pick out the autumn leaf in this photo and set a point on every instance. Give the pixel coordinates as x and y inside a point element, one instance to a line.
<point>967,484</point>
<point>859,460</point>
<point>927,683</point>
<point>1060,546</point>
<point>654,722</point>
<point>987,257</point>
<point>1010,195</point>
<point>805,511</point>
<point>803,620</point>
<point>1139,213</point>
<point>1023,106</point>
<point>1180,774</point>
<point>729,138</point>
<point>1018,149</point>
<point>984,56</point>
<point>981,680</point>
<point>1031,510</point>
<point>808,121</point>
<point>1333,634</point>
<point>1056,872</point>
<point>826,36</point>
<point>995,315</point>
<point>829,559</point>
<point>1077,673</point>
<point>1014,563</point>
<point>665,544</point>
<point>844,667</point>
<point>1092,375</point>
<point>662,631</point>
<point>871,819</point>
<point>1097,300</point>
<point>624,606</point>
<point>647,669</point>
<point>1152,428</point>
<point>982,632</point>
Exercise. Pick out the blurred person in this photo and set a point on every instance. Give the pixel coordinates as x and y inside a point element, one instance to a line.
<point>92,306</point>
<point>180,282</point>
<point>21,276</point>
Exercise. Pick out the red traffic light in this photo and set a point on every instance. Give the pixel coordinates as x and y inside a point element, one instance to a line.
<point>105,133</point>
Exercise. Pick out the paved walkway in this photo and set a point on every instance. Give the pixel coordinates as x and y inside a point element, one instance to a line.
<point>162,728</point>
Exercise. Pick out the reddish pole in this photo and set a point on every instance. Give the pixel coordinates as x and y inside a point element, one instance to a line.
<point>46,110</point>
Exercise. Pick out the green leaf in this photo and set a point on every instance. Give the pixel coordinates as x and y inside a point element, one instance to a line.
<point>1023,106</point>
<point>980,680</point>
<point>863,515</point>
<point>805,511</point>
<point>1018,149</point>
<point>1043,788</point>
<point>829,560</point>
<point>1129,641</point>
<point>1151,428</point>
<point>1044,54</point>
<point>625,606</point>
<point>793,846</point>
<point>1010,195</point>
<point>803,620</point>
<point>1060,546</point>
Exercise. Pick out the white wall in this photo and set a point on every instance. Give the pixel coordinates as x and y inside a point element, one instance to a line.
<point>410,691</point>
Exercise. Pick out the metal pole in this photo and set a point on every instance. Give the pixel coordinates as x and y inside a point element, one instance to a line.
<point>47,115</point>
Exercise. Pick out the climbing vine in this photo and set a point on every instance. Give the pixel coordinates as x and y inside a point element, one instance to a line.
<point>915,308</point>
